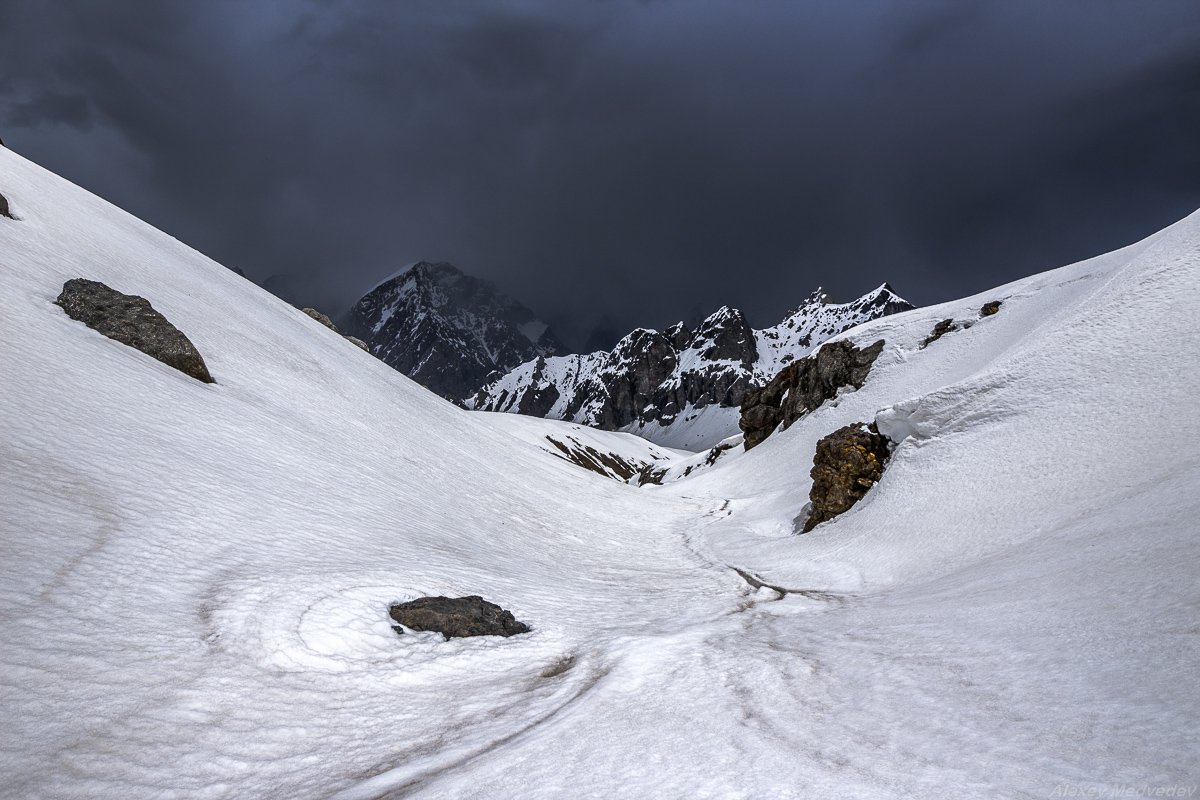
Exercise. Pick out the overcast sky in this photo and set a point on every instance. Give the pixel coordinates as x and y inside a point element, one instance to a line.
<point>614,164</point>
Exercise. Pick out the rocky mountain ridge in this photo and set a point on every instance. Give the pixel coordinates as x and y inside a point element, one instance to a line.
<point>446,330</point>
<point>653,378</point>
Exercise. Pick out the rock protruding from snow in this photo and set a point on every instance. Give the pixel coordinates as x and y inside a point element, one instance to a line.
<point>448,331</point>
<point>328,323</point>
<point>848,462</point>
<point>321,318</point>
<point>939,330</point>
<point>801,387</point>
<point>131,320</point>
<point>990,308</point>
<point>651,379</point>
<point>456,617</point>
<point>4,210</point>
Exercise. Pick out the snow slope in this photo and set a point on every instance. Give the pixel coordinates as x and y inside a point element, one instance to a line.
<point>195,577</point>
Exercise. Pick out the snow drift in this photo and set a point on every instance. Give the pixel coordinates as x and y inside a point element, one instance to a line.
<point>196,577</point>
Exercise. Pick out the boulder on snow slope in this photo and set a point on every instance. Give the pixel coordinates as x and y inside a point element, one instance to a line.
<point>131,320</point>
<point>990,308</point>
<point>949,325</point>
<point>939,330</point>
<point>321,318</point>
<point>801,387</point>
<point>848,462</point>
<point>456,617</point>
<point>328,323</point>
<point>4,212</point>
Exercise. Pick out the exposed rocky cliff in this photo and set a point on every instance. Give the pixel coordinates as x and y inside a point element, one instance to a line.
<point>654,379</point>
<point>802,386</point>
<point>448,331</point>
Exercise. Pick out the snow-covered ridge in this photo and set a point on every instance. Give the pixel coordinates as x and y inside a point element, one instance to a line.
<point>446,330</point>
<point>679,388</point>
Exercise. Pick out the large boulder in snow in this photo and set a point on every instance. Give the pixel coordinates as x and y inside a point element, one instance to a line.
<point>847,464</point>
<point>802,386</point>
<point>321,318</point>
<point>131,320</point>
<point>4,212</point>
<point>456,617</point>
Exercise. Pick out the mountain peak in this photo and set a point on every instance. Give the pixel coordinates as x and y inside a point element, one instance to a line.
<point>448,330</point>
<point>650,379</point>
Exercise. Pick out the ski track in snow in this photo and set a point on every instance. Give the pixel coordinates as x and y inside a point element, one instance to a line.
<point>196,578</point>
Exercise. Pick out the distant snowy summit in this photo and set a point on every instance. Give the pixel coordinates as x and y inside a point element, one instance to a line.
<point>448,331</point>
<point>677,387</point>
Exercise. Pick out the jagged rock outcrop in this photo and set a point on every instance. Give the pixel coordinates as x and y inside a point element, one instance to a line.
<point>448,331</point>
<point>4,211</point>
<point>328,323</point>
<point>456,617</point>
<point>939,330</point>
<point>321,318</point>
<point>131,320</point>
<point>801,387</point>
<point>848,462</point>
<point>949,325</point>
<point>651,379</point>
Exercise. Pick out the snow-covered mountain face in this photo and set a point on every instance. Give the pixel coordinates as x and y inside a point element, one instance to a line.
<point>446,330</point>
<point>677,387</point>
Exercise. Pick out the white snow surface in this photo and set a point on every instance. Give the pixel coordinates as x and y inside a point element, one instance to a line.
<point>196,577</point>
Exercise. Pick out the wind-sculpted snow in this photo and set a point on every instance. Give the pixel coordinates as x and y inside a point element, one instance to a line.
<point>196,577</point>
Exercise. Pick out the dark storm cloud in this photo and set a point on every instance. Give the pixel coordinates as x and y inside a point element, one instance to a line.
<point>622,163</point>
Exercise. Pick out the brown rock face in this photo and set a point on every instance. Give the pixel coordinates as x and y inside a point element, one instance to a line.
<point>131,320</point>
<point>990,308</point>
<point>457,617</point>
<point>847,464</point>
<point>802,386</point>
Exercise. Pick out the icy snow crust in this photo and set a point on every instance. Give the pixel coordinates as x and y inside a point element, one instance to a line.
<point>196,577</point>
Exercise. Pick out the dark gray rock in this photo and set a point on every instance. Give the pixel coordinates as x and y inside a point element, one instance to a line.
<point>448,331</point>
<point>939,330</point>
<point>848,462</point>
<point>131,320</point>
<point>456,617</point>
<point>4,212</point>
<point>802,386</point>
<point>726,336</point>
<point>678,335</point>
<point>541,397</point>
